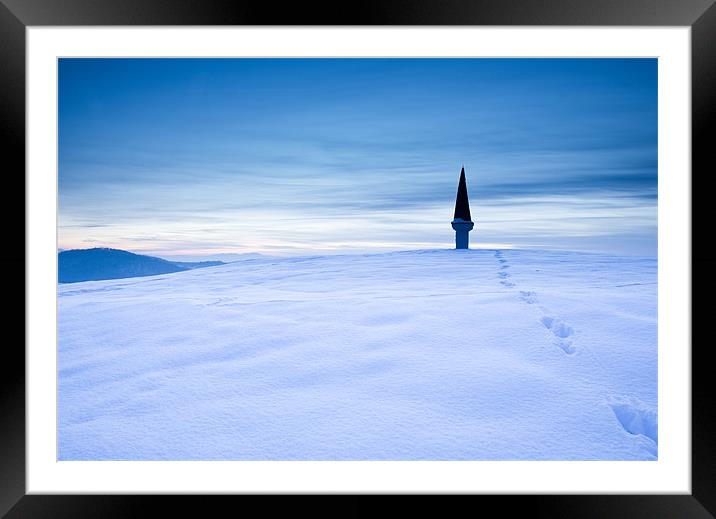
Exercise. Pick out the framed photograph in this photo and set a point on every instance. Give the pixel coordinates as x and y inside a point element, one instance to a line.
<point>445,253</point>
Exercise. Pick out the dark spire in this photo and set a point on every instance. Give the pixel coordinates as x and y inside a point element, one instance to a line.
<point>462,206</point>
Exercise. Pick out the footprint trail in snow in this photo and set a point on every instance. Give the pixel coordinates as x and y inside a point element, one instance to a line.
<point>561,331</point>
<point>632,415</point>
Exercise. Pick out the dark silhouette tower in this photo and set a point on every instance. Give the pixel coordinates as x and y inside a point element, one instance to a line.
<point>462,222</point>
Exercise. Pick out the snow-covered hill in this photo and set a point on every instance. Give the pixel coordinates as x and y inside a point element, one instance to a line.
<point>94,264</point>
<point>436,355</point>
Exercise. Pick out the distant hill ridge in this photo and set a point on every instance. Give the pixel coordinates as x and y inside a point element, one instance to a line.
<point>105,263</point>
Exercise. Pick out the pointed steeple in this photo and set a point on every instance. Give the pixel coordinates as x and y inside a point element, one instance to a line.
<point>462,206</point>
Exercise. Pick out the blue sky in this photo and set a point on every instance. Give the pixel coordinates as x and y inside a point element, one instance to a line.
<point>293,156</point>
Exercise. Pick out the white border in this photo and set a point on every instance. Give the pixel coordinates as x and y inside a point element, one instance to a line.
<point>670,474</point>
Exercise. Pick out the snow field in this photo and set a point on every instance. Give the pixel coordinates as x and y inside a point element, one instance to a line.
<point>420,355</point>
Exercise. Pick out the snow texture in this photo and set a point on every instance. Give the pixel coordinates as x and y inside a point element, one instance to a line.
<point>421,355</point>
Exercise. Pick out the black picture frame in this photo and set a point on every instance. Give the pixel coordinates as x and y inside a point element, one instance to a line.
<point>700,15</point>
